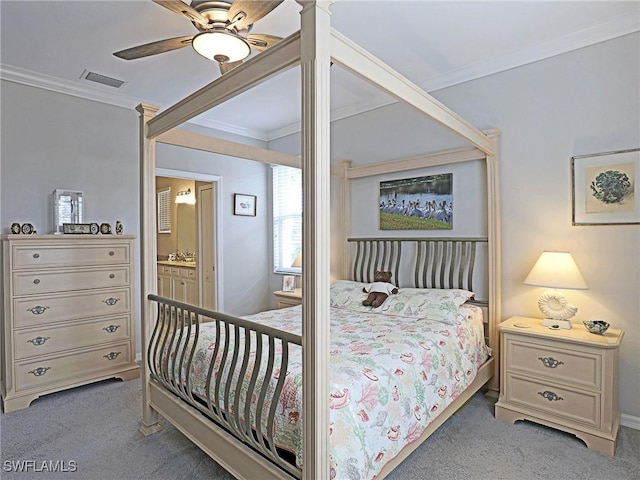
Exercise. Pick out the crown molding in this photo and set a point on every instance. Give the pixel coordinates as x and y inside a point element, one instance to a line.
<point>617,27</point>
<point>23,76</point>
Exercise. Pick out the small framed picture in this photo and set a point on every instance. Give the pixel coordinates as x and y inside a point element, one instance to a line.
<point>606,190</point>
<point>244,205</point>
<point>288,283</point>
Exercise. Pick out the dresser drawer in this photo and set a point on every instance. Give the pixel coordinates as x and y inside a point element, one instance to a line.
<point>30,256</point>
<point>70,367</point>
<point>574,405</point>
<point>573,367</point>
<point>30,311</point>
<point>50,281</point>
<point>43,341</point>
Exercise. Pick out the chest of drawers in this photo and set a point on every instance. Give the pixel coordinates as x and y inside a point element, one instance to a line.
<point>67,314</point>
<point>565,379</point>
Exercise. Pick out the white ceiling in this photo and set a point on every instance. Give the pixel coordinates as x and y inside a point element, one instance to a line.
<point>435,44</point>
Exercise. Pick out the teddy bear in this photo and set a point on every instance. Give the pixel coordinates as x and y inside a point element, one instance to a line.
<point>379,290</point>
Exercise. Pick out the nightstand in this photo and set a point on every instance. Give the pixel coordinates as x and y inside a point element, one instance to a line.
<point>564,379</point>
<point>288,299</point>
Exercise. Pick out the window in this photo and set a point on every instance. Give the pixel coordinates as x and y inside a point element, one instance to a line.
<point>164,210</point>
<point>287,218</point>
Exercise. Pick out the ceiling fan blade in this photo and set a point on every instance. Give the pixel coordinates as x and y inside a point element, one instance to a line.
<point>228,66</point>
<point>243,13</point>
<point>260,41</point>
<point>183,9</point>
<point>154,48</point>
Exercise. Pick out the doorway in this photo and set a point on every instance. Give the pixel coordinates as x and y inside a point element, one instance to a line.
<point>208,251</point>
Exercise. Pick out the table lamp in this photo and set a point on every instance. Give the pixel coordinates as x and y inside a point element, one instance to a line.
<point>556,270</point>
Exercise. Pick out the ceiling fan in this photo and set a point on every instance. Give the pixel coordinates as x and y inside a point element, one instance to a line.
<point>224,31</point>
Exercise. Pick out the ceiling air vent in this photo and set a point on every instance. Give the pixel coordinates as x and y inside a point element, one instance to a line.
<point>103,79</point>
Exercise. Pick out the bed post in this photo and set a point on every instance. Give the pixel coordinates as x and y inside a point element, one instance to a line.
<point>495,270</point>
<point>315,64</point>
<point>346,218</point>
<point>148,257</point>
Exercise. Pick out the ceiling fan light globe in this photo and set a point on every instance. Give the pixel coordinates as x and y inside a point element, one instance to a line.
<point>221,44</point>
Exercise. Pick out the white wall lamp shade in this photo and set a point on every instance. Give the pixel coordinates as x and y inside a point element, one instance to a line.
<point>556,270</point>
<point>221,46</point>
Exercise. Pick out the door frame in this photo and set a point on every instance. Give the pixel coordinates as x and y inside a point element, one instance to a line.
<point>216,182</point>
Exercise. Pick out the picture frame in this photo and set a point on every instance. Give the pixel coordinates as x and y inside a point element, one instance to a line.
<point>418,203</point>
<point>244,205</point>
<point>288,283</point>
<point>605,188</point>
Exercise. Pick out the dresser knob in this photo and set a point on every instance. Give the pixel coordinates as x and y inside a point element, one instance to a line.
<point>37,310</point>
<point>36,255</point>
<point>111,328</point>
<point>112,355</point>
<point>550,362</point>
<point>38,341</point>
<point>36,281</point>
<point>111,301</point>
<point>112,253</point>
<point>552,397</point>
<point>38,372</point>
<point>112,275</point>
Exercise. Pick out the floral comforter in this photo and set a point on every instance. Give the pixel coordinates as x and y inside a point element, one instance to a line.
<point>391,375</point>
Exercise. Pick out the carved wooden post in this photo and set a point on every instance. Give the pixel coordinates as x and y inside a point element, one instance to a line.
<point>315,64</point>
<point>148,257</point>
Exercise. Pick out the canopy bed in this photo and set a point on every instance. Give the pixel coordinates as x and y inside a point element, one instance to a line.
<point>218,378</point>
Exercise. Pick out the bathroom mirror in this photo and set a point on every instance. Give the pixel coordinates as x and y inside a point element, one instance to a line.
<point>68,207</point>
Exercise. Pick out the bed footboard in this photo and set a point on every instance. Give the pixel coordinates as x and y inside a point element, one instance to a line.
<point>242,387</point>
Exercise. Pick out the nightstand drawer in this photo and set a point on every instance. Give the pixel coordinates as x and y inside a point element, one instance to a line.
<point>575,405</point>
<point>548,359</point>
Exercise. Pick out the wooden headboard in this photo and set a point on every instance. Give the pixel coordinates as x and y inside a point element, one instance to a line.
<point>441,262</point>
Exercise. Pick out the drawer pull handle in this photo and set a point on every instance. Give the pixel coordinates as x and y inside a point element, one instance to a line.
<point>112,355</point>
<point>36,281</point>
<point>37,310</point>
<point>552,397</point>
<point>36,255</point>
<point>550,362</point>
<point>38,341</point>
<point>38,372</point>
<point>111,301</point>
<point>112,253</point>
<point>112,275</point>
<point>111,328</point>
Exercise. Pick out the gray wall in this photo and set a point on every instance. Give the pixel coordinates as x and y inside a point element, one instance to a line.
<point>582,102</point>
<point>51,140</point>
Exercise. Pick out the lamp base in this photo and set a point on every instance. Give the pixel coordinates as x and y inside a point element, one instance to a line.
<point>552,323</point>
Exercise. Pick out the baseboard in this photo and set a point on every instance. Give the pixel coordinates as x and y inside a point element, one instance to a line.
<point>630,421</point>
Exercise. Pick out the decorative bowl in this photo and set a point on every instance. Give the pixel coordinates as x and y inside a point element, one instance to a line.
<point>596,326</point>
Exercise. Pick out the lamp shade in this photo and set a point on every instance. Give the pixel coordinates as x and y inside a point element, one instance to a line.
<point>556,270</point>
<point>221,46</point>
<point>297,262</point>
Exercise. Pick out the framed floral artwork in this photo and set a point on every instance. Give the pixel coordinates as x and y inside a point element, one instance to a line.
<point>605,188</point>
<point>244,205</point>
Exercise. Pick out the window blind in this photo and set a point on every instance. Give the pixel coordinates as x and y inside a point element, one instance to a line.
<point>287,218</point>
<point>164,210</point>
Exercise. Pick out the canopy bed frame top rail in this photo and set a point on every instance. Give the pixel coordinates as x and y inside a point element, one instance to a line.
<point>314,48</point>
